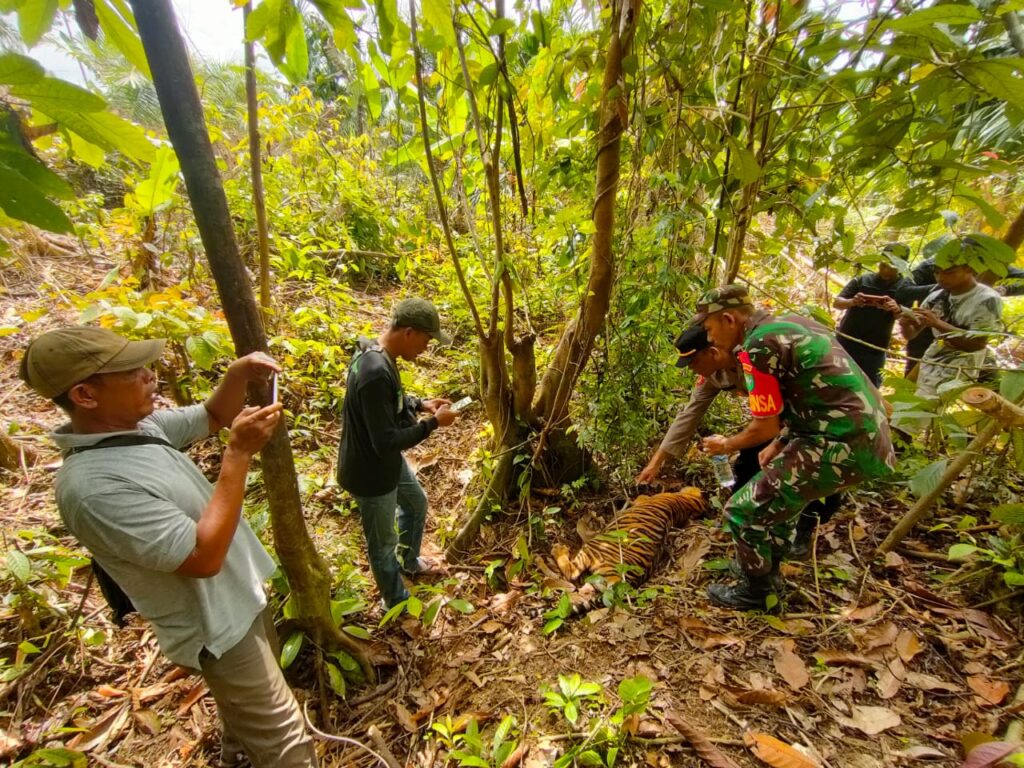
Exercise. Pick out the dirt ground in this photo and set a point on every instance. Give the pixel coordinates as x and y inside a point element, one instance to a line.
<point>874,662</point>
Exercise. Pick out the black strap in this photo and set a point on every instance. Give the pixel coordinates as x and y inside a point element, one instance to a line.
<point>119,602</point>
<point>120,441</point>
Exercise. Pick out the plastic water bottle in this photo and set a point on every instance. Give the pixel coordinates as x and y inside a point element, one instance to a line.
<point>723,470</point>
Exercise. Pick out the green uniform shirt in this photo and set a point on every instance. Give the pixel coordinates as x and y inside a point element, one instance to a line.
<point>795,369</point>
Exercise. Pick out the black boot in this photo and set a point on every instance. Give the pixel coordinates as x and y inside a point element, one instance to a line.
<point>736,571</point>
<point>801,547</point>
<point>751,593</point>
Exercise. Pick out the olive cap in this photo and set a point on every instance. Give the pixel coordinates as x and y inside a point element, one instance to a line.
<point>59,359</point>
<point>419,314</point>
<point>722,297</point>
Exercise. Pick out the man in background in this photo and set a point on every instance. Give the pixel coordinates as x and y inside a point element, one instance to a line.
<point>872,302</point>
<point>379,421</point>
<point>176,545</point>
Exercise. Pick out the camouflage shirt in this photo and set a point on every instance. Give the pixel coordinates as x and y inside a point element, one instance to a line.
<point>795,369</point>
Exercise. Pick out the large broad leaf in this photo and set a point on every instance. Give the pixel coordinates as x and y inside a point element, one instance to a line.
<point>278,24</point>
<point>41,177</point>
<point>746,167</point>
<point>1011,514</point>
<point>108,131</point>
<point>927,480</point>
<point>938,14</point>
<point>35,17</point>
<point>998,77</point>
<point>437,15</point>
<point>906,219</point>
<point>296,55</point>
<point>118,25</point>
<point>16,69</point>
<point>1012,385</point>
<point>49,93</point>
<point>20,199</point>
<point>156,191</point>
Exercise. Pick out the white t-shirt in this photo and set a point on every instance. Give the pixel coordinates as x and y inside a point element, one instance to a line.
<point>135,508</point>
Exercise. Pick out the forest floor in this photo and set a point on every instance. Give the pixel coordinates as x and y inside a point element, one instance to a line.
<point>874,662</point>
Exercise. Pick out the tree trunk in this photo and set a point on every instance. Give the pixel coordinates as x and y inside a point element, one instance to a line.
<point>577,339</point>
<point>256,167</point>
<point>1015,234</point>
<point>308,575</point>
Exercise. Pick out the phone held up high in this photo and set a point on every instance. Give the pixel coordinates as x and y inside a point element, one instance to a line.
<point>273,388</point>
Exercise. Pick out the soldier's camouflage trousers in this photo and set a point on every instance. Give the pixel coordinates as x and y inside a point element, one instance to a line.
<point>762,515</point>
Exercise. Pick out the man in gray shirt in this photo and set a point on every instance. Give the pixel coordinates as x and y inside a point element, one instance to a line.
<point>175,544</point>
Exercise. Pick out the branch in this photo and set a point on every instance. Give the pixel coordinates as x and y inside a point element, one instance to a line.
<point>441,210</point>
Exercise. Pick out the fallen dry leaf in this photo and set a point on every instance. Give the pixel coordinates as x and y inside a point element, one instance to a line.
<point>105,728</point>
<point>766,696</point>
<point>865,613</point>
<point>148,721</point>
<point>877,636</point>
<point>790,666</point>
<point>890,678</point>
<point>930,682</point>
<point>920,752</point>
<point>693,555</point>
<point>109,692</point>
<point>870,720</point>
<point>777,754</point>
<point>707,751</point>
<point>195,693</point>
<point>989,691</point>
<point>908,646</point>
<point>893,560</point>
<point>843,658</point>
<point>405,718</point>
<point>990,754</point>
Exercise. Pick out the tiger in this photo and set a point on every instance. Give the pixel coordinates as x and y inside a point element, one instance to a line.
<point>635,537</point>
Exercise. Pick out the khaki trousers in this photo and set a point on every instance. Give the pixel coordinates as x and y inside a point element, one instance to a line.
<point>259,713</point>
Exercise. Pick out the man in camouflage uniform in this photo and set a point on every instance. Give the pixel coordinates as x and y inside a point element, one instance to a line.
<point>826,421</point>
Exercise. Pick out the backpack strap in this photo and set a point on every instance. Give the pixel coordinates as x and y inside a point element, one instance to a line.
<point>121,441</point>
<point>119,602</point>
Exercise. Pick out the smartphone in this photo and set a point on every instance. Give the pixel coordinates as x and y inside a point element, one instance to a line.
<point>460,404</point>
<point>273,387</point>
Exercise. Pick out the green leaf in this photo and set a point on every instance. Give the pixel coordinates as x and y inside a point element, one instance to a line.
<point>356,631</point>
<point>1011,514</point>
<point>19,566</point>
<point>927,479</point>
<point>746,167</point>
<point>346,662</point>
<point>437,15</point>
<point>1012,385</point>
<point>16,69</point>
<point>371,86</point>
<point>462,606</point>
<point>552,625</point>
<point>937,14</point>
<point>571,712</point>
<point>292,646</point>
<point>108,131</point>
<point>156,192</point>
<point>122,32</point>
<point>202,352</point>
<point>1013,579</point>
<point>414,606</point>
<point>35,17</point>
<point>336,679</point>
<point>910,218</point>
<point>501,26</point>
<point>590,758</point>
<point>57,756</point>
<point>998,77</point>
<point>48,93</point>
<point>296,54</point>
<point>21,200</point>
<point>635,689</point>
<point>961,551</point>
<point>41,177</point>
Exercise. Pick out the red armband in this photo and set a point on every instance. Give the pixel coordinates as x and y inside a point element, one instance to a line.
<point>765,393</point>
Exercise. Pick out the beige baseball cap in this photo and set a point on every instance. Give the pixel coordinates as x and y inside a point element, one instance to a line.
<point>58,360</point>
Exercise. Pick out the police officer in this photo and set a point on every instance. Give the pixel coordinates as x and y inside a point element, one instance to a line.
<point>719,371</point>
<point>825,420</point>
